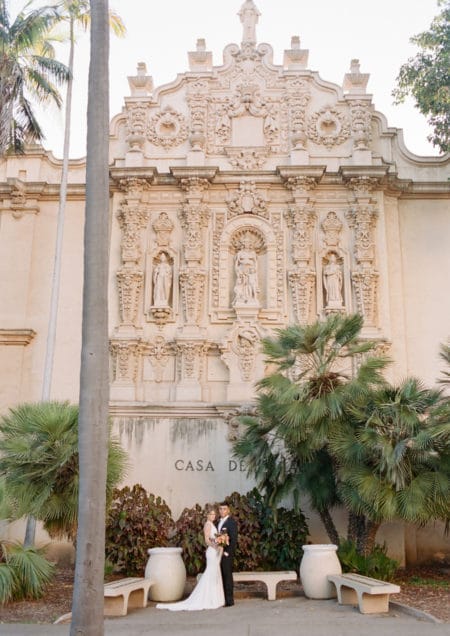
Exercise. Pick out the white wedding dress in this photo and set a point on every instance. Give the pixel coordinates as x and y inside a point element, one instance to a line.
<point>208,593</point>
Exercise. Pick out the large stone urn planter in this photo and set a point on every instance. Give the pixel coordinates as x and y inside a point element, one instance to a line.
<point>318,561</point>
<point>166,567</point>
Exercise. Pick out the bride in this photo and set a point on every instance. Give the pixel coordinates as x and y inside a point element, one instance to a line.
<point>208,593</point>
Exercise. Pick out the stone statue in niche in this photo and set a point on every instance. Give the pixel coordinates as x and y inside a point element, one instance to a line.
<point>162,282</point>
<point>246,270</point>
<point>332,280</point>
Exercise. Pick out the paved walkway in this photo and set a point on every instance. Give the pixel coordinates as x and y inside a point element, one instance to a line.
<point>255,617</point>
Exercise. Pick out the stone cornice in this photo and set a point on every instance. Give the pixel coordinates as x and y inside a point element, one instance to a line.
<point>166,410</point>
<point>117,175</point>
<point>16,337</point>
<point>194,172</point>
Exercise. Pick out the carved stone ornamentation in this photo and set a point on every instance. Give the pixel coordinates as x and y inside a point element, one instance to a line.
<point>132,219</point>
<point>297,104</point>
<point>136,123</point>
<point>361,117</point>
<point>365,285</point>
<point>332,228</point>
<point>194,217</point>
<point>301,219</point>
<point>159,352</point>
<point>198,109</point>
<point>363,218</point>
<point>125,357</point>
<point>192,284</point>
<point>246,158</point>
<point>163,227</point>
<point>190,359</point>
<point>302,281</point>
<point>129,283</point>
<point>328,127</point>
<point>168,128</point>
<point>134,187</point>
<point>246,200</point>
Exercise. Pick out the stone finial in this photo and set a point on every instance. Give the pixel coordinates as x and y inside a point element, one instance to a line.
<point>141,85</point>
<point>355,81</point>
<point>295,58</point>
<point>200,59</point>
<point>249,15</point>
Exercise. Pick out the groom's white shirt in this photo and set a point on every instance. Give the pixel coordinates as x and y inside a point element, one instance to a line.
<point>221,522</point>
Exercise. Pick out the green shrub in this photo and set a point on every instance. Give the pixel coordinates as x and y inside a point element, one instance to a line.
<point>248,552</point>
<point>189,537</point>
<point>266,540</point>
<point>283,533</point>
<point>376,564</point>
<point>135,522</point>
<point>24,572</point>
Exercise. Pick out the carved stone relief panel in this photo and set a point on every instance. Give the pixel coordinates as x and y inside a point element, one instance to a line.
<point>129,284</point>
<point>125,355</point>
<point>247,200</point>
<point>159,352</point>
<point>168,128</point>
<point>328,127</point>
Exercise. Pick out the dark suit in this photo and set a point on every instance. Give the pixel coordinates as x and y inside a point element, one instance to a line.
<point>226,563</point>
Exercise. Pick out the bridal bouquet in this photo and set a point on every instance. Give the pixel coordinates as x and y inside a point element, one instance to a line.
<point>222,538</point>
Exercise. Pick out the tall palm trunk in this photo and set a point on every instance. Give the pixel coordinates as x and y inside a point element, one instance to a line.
<point>87,609</point>
<point>330,528</point>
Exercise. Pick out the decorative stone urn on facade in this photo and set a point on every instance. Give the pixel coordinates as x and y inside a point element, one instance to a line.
<point>317,563</point>
<point>166,568</point>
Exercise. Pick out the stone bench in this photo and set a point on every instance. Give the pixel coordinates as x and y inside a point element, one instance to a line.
<point>269,578</point>
<point>371,595</point>
<point>124,594</point>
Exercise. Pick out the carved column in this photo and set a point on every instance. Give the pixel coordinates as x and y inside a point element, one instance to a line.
<point>301,218</point>
<point>133,216</point>
<point>190,344</point>
<point>362,218</point>
<point>194,217</point>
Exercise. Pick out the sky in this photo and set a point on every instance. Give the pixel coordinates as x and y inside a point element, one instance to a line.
<point>160,34</point>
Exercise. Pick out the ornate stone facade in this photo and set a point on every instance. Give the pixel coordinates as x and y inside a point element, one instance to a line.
<point>244,197</point>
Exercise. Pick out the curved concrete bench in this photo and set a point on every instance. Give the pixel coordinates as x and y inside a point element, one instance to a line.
<point>126,593</point>
<point>371,595</point>
<point>271,579</point>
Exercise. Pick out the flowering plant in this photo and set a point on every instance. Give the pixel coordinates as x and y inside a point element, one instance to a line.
<point>222,538</point>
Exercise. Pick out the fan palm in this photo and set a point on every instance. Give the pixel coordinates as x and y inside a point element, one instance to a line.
<point>394,459</point>
<point>320,369</point>
<point>28,72</point>
<point>39,464</point>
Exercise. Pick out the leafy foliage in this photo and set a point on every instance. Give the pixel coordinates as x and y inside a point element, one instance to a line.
<point>189,537</point>
<point>267,539</point>
<point>426,77</point>
<point>135,522</point>
<point>28,72</point>
<point>329,425</point>
<point>283,534</point>
<point>301,404</point>
<point>375,564</point>
<point>24,572</point>
<point>39,464</point>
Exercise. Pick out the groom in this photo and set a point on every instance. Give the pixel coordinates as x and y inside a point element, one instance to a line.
<point>229,524</point>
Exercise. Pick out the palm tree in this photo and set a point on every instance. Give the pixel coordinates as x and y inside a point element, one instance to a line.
<point>87,614</point>
<point>74,13</point>
<point>394,458</point>
<point>39,465</point>
<point>28,72</point>
<point>301,404</point>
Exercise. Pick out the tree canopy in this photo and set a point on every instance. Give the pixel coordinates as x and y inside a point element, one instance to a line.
<point>426,77</point>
